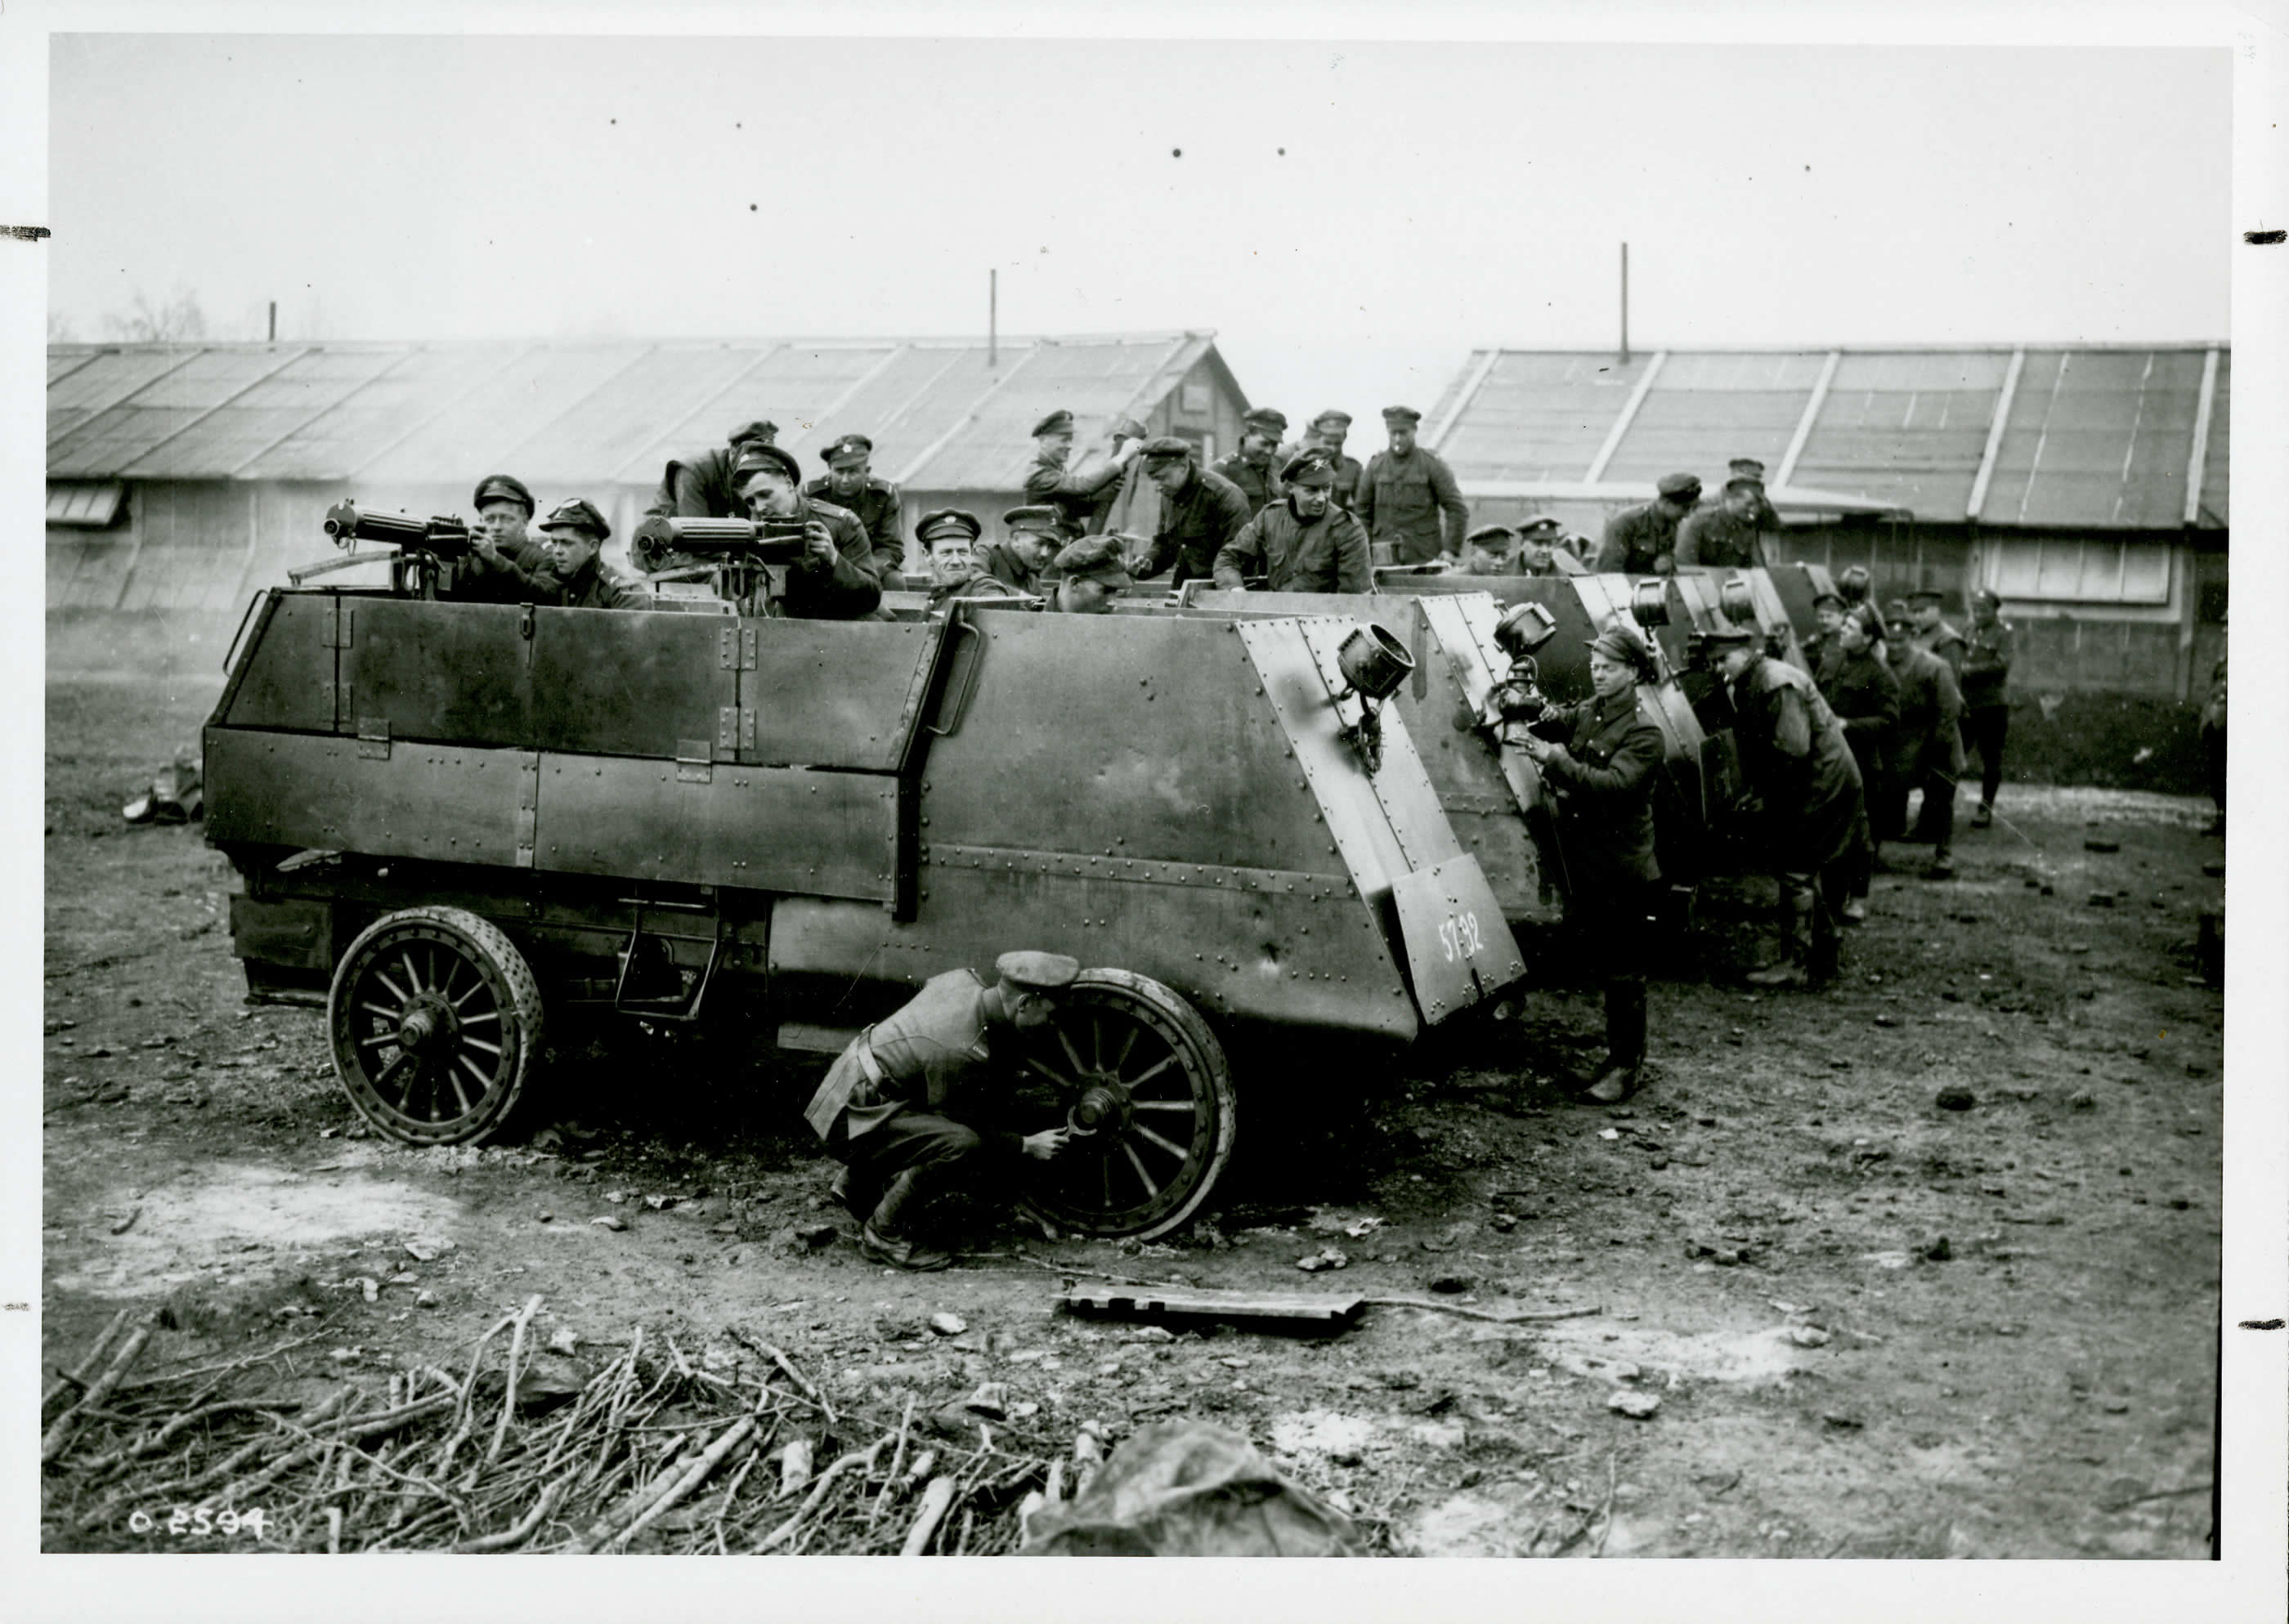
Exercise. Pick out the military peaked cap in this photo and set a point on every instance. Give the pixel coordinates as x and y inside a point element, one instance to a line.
<point>1167,447</point>
<point>1034,521</point>
<point>755,456</point>
<point>1686,485</point>
<point>1332,418</point>
<point>948,524</point>
<point>1037,972</point>
<point>1492,535</point>
<point>578,515</point>
<point>1897,608</point>
<point>1094,558</point>
<point>1312,468</point>
<point>504,488</point>
<point>1540,523</point>
<point>758,433</point>
<point>1746,468</point>
<point>1267,416</point>
<point>1728,635</point>
<point>1742,481</point>
<point>847,451</point>
<point>1622,640</point>
<point>1827,595</point>
<point>1923,593</point>
<point>1401,414</point>
<point>1992,599</point>
<point>1056,423</point>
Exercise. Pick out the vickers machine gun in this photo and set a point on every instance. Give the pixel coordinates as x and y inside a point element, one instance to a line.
<point>745,561</point>
<point>420,552</point>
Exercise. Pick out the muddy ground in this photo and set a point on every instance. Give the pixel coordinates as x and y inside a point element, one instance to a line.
<point>1875,1327</point>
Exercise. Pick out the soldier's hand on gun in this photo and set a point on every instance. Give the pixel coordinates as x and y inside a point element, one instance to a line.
<point>819,541</point>
<point>482,545</point>
<point>1045,1145</point>
<point>1540,750</point>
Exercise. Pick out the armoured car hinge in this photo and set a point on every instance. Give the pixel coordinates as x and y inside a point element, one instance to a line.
<point>734,731</point>
<point>694,761</point>
<point>736,648</point>
<point>528,805</point>
<point>525,623</point>
<point>373,739</point>
<point>338,635</point>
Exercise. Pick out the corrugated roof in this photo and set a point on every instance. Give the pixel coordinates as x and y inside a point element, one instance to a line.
<point>566,413</point>
<point>2090,437</point>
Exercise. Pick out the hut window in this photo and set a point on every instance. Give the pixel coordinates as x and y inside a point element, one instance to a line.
<point>2081,570</point>
<point>86,504</point>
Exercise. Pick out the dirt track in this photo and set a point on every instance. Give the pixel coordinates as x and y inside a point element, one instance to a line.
<point>1759,1235</point>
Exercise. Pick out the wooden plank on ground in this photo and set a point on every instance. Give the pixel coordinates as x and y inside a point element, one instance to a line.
<point>1156,1302</point>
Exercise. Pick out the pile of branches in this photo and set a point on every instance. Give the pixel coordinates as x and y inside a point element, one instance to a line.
<point>651,1452</point>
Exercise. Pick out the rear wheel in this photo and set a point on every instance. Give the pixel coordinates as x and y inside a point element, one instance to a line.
<point>1134,1071</point>
<point>434,1018</point>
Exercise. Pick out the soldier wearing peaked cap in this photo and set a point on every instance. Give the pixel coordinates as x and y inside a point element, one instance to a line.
<point>920,1100</point>
<point>1985,679</point>
<point>1932,630</point>
<point>1302,543</point>
<point>1200,511</point>
<point>1642,540</point>
<point>949,537</point>
<point>850,483</point>
<point>1491,549</point>
<point>1092,575</point>
<point>1408,500</point>
<point>505,562</point>
<point>576,577</point>
<point>1325,433</point>
<point>1254,468</point>
<point>1083,495</point>
<point>1725,537</point>
<point>702,487</point>
<point>835,578</point>
<point>1545,548</point>
<point>1020,562</point>
<point>1928,751</point>
<point>1766,516</point>
<point>1862,690</point>
<point>1601,759</point>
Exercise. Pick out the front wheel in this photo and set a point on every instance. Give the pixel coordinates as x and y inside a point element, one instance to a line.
<point>1129,1066</point>
<point>434,1018</point>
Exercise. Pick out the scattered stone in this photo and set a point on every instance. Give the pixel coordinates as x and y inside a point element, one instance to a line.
<point>948,1324</point>
<point>1631,1401</point>
<point>1882,1020</point>
<point>1842,1423</point>
<point>1505,1223</point>
<point>1953,1098</point>
<point>1451,1285</point>
<point>1326,1258</point>
<point>1808,1336</point>
<point>1151,1333</point>
<point>543,1217</point>
<point>991,1400</point>
<point>425,1299</point>
<point>1938,1252</point>
<point>657,1203</point>
<point>1439,1435</point>
<point>816,1236</point>
<point>2082,1099</point>
<point>369,1289</point>
<point>616,1197</point>
<point>609,1221</point>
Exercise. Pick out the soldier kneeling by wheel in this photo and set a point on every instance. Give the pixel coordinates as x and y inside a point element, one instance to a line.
<point>907,1108</point>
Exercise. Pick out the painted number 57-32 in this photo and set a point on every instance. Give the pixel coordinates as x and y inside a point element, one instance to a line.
<point>1458,933</point>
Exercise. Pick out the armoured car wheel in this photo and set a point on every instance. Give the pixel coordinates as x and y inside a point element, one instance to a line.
<point>1132,1067</point>
<point>435,1019</point>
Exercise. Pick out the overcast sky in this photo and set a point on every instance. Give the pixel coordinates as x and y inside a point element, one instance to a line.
<point>1349,220</point>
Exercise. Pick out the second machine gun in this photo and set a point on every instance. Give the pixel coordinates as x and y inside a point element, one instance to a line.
<point>745,561</point>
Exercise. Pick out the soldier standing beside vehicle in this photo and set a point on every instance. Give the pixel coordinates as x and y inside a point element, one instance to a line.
<point>835,578</point>
<point>576,577</point>
<point>1865,695</point>
<point>1725,537</point>
<point>1020,558</point>
<point>1251,468</point>
<point>1929,755</point>
<point>1600,758</point>
<point>704,488</point>
<point>1325,433</point>
<point>1201,511</point>
<point>1408,500</point>
<point>1083,499</point>
<point>1932,630</point>
<point>1303,542</point>
<point>1804,809</point>
<point>1823,649</point>
<point>908,1107</point>
<point>1642,540</point>
<point>1985,679</point>
<point>1090,575</point>
<point>849,484</point>
<point>504,563</point>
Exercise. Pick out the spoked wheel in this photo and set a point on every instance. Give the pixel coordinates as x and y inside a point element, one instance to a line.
<point>435,1019</point>
<point>1135,1071</point>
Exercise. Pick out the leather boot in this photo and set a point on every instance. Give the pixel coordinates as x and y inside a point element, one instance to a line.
<point>880,1238</point>
<point>1625,1042</point>
<point>1796,903</point>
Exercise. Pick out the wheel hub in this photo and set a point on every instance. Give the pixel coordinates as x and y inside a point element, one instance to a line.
<point>426,1024</point>
<point>1101,1106</point>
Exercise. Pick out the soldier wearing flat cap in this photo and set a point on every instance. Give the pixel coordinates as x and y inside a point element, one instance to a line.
<point>1766,516</point>
<point>1408,500</point>
<point>1326,435</point>
<point>949,537</point>
<point>1803,813</point>
<point>1930,630</point>
<point>851,484</point>
<point>1083,496</point>
<point>1253,468</point>
<point>576,577</point>
<point>505,562</point>
<point>1303,542</point>
<point>1545,548</point>
<point>835,578</point>
<point>1034,535</point>
<point>1491,549</point>
<point>1860,687</point>
<point>1726,536</point>
<point>1642,540</point>
<point>918,1102</point>
<point>1200,511</point>
<point>1928,753</point>
<point>1090,575</point>
<point>1985,677</point>
<point>704,488</point>
<point>1601,759</point>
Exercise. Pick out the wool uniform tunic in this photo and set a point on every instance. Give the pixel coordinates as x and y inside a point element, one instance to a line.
<point>1328,555</point>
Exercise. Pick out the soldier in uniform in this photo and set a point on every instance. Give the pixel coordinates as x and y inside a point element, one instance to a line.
<point>576,577</point>
<point>1724,536</point>
<point>1083,501</point>
<point>1930,751</point>
<point>1932,630</point>
<point>1303,542</point>
<point>1327,434</point>
<point>1545,548</point>
<point>1200,511</point>
<point>704,488</point>
<point>1413,510</point>
<point>851,484</point>
<point>950,537</point>
<point>1823,649</point>
<point>1853,584</point>
<point>1803,806</point>
<point>1865,695</point>
<point>910,1107</point>
<point>834,579</point>
<point>1766,515</point>
<point>2213,739</point>
<point>504,563</point>
<point>1601,759</point>
<point>1984,679</point>
<point>1251,468</point>
<point>1090,575</point>
<point>1488,550</point>
<point>1034,535</point>
<point>1642,540</point>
